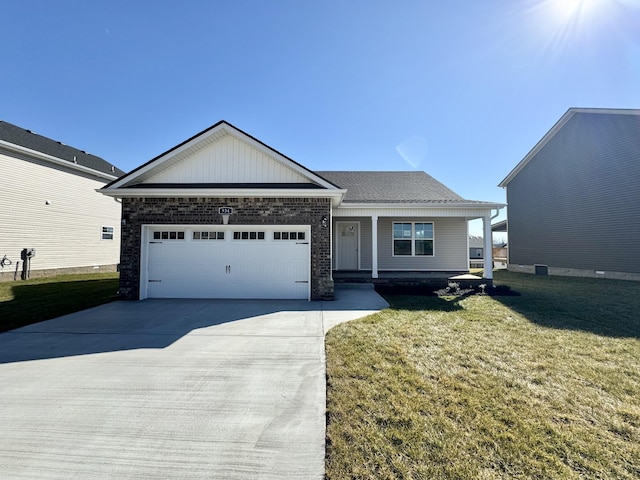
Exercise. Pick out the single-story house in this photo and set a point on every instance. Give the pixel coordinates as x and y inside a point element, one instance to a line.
<point>223,215</point>
<point>574,199</point>
<point>53,220</point>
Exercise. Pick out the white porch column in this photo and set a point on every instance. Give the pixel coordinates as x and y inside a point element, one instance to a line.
<point>374,246</point>
<point>488,248</point>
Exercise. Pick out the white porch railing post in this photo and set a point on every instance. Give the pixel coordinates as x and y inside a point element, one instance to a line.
<point>374,246</point>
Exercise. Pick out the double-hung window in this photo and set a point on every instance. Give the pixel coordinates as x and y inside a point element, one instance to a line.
<point>412,239</point>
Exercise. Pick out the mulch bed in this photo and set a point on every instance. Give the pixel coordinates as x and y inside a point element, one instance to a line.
<point>499,290</point>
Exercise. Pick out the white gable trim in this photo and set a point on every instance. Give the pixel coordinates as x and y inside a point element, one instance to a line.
<point>213,134</point>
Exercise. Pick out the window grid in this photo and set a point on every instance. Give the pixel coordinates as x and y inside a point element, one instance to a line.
<point>289,235</point>
<point>107,232</point>
<point>412,239</point>
<point>248,235</point>
<point>168,235</point>
<point>208,235</point>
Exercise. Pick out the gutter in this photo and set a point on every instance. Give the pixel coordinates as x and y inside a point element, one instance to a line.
<point>55,160</point>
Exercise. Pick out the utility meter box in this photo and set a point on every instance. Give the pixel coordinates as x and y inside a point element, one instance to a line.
<point>28,253</point>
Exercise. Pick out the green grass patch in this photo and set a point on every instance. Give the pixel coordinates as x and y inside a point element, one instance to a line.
<point>541,385</point>
<point>26,302</point>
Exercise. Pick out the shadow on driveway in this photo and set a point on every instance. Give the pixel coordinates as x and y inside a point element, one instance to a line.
<point>158,323</point>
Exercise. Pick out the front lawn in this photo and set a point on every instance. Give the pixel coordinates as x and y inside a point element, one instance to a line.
<point>31,301</point>
<point>541,385</point>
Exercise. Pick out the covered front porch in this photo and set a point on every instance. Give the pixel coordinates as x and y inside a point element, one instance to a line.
<point>365,243</point>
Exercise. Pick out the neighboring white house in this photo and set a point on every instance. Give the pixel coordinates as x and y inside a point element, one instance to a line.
<point>50,207</point>
<point>223,215</point>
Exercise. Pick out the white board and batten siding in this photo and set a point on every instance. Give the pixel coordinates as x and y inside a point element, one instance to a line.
<point>228,160</point>
<point>67,231</point>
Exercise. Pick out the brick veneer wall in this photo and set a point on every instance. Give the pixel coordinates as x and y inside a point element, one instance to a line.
<point>246,211</point>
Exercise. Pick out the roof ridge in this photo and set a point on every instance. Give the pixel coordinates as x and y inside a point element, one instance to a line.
<point>25,138</point>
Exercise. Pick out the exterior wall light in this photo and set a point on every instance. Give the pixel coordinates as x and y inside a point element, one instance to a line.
<point>324,221</point>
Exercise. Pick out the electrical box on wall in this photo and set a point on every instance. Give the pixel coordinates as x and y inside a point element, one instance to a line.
<point>28,253</point>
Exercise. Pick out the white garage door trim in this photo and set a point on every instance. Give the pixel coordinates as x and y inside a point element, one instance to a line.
<point>243,261</point>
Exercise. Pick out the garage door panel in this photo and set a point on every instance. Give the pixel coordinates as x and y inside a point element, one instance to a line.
<point>228,268</point>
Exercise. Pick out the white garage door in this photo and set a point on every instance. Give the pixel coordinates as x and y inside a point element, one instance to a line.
<point>226,262</point>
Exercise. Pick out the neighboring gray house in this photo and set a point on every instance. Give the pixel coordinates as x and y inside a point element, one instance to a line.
<point>223,215</point>
<point>476,248</point>
<point>574,200</point>
<point>50,207</point>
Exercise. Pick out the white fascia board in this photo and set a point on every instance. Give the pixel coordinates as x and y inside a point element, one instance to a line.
<point>467,211</point>
<point>418,206</point>
<point>281,158</point>
<point>154,164</point>
<point>335,195</point>
<point>55,160</point>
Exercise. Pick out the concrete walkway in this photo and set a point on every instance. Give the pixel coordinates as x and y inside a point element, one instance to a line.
<point>159,389</point>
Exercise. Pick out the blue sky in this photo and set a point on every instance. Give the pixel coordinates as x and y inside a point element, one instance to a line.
<point>459,89</point>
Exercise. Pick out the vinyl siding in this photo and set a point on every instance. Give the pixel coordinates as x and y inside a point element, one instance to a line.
<point>67,232</point>
<point>576,204</point>
<point>229,160</point>
<point>450,246</point>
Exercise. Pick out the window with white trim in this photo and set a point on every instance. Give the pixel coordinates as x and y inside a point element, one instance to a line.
<point>107,232</point>
<point>412,239</point>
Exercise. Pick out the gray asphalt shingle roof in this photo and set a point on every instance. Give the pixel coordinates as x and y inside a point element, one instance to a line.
<point>25,138</point>
<point>392,187</point>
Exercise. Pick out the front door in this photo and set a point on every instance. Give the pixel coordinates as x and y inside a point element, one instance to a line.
<point>348,245</point>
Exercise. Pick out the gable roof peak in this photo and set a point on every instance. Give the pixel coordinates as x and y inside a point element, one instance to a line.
<point>234,153</point>
<point>566,118</point>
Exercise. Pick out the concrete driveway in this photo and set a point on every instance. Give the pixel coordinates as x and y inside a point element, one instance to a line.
<point>184,389</point>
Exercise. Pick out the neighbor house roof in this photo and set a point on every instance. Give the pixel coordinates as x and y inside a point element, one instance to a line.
<point>607,130</point>
<point>14,135</point>
<point>476,242</point>
<point>393,187</point>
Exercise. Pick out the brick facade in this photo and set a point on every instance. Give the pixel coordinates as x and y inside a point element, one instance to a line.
<point>137,212</point>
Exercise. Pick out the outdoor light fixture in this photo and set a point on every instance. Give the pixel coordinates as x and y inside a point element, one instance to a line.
<point>324,221</point>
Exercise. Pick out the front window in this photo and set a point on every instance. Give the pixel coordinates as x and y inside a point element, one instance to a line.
<point>412,239</point>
